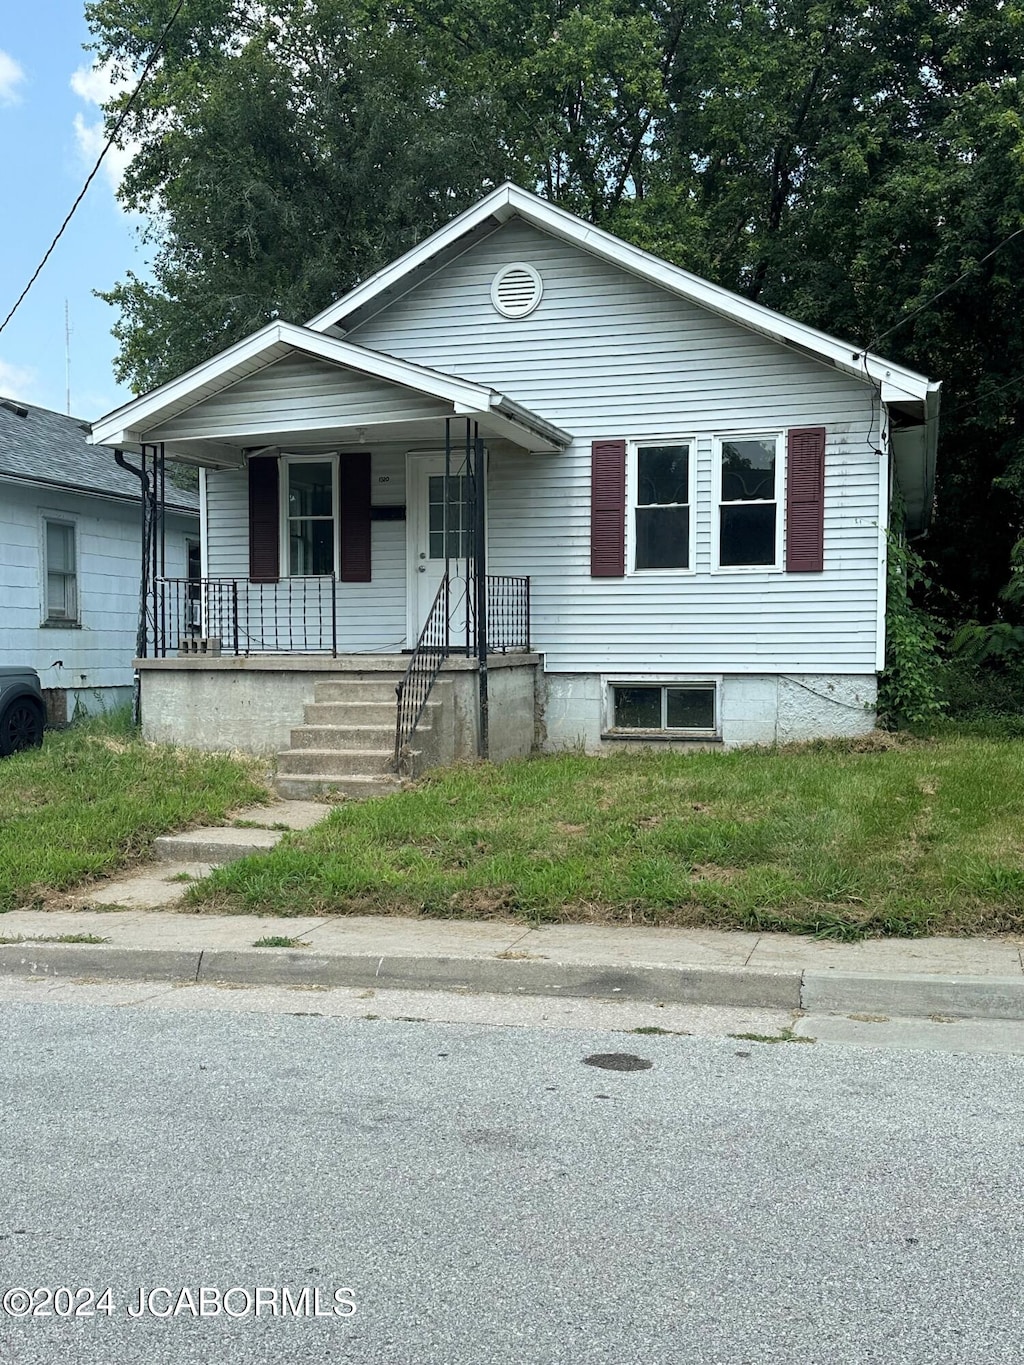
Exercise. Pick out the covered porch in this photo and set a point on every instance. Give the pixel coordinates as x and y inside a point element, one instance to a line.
<point>344,506</point>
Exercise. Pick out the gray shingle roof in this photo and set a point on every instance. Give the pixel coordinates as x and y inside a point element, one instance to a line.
<point>50,448</point>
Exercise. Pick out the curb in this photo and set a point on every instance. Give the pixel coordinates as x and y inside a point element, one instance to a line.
<point>820,992</point>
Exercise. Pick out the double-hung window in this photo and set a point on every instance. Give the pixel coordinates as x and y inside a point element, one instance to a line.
<point>311,512</point>
<point>663,505</point>
<point>747,475</point>
<point>61,551</point>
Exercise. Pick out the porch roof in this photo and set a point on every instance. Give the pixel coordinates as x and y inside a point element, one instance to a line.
<point>379,398</point>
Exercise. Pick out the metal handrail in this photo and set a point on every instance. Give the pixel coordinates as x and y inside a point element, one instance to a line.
<point>432,648</point>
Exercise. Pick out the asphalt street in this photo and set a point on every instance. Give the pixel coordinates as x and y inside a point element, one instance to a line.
<point>486,1196</point>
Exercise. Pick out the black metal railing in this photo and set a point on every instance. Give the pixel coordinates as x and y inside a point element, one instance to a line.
<point>215,616</point>
<point>432,648</point>
<point>507,628</point>
<point>508,613</point>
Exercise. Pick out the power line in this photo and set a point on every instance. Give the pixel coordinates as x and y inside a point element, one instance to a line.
<point>935,297</point>
<point>99,161</point>
<point>984,397</point>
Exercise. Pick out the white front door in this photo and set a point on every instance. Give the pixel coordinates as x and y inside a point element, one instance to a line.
<point>434,530</point>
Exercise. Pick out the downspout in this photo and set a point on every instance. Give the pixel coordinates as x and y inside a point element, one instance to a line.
<point>141,632</point>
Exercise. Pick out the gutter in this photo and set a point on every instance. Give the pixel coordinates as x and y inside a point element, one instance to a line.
<point>131,498</point>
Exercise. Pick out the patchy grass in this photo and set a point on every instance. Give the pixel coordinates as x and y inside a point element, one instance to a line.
<point>93,798</point>
<point>54,938</point>
<point>841,840</point>
<point>280,941</point>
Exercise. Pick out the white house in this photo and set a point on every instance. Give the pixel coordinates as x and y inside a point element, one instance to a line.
<point>70,552</point>
<point>603,500</point>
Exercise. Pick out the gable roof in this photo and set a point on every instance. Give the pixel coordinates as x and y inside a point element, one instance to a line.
<point>50,449</point>
<point>897,383</point>
<point>128,425</point>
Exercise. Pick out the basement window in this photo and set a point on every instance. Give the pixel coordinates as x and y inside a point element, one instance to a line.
<point>669,708</point>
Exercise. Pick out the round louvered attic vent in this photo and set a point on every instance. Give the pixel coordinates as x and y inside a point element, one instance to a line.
<point>516,290</point>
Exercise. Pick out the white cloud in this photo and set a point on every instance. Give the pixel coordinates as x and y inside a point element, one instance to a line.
<point>11,76</point>
<point>95,85</point>
<point>17,381</point>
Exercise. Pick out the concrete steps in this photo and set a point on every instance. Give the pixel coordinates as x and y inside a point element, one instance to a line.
<point>346,745</point>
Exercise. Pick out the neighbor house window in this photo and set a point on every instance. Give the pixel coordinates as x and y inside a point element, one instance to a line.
<point>61,571</point>
<point>747,472</point>
<point>663,503</point>
<point>688,707</point>
<point>310,505</point>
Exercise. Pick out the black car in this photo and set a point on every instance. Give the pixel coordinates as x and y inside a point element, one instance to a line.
<point>21,710</point>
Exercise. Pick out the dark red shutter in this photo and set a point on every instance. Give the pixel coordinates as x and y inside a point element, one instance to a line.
<point>354,504</point>
<point>608,509</point>
<point>264,521</point>
<point>805,500</point>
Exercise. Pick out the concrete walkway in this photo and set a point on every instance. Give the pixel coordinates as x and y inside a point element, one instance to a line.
<point>184,858</point>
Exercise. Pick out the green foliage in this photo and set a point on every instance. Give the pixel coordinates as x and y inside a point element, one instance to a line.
<point>910,688</point>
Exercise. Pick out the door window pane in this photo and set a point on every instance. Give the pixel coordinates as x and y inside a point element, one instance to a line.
<point>690,708</point>
<point>638,708</point>
<point>457,515</point>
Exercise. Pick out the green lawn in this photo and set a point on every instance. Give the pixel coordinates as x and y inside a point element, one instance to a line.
<point>840,839</point>
<point>94,796</point>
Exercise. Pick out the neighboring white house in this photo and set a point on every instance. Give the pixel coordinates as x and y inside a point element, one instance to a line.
<point>70,557</point>
<point>696,488</point>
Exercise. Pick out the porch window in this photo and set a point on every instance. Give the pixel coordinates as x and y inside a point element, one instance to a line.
<point>61,572</point>
<point>748,483</point>
<point>311,503</point>
<point>682,707</point>
<point>663,505</point>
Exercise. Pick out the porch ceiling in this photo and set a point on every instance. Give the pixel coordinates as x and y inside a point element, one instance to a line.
<point>287,386</point>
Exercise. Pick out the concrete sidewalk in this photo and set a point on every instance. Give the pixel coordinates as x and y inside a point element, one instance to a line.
<point>955,978</point>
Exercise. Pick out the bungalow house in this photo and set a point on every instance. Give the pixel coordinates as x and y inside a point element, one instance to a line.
<point>70,543</point>
<point>551,489</point>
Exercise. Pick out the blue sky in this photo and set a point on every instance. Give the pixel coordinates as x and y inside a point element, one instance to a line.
<point>49,138</point>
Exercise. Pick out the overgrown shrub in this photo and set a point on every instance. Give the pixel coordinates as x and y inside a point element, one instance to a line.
<point>910,688</point>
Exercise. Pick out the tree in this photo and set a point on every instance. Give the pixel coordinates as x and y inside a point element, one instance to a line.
<point>858,166</point>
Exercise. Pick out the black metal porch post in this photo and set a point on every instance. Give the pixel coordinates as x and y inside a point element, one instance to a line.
<point>480,585</point>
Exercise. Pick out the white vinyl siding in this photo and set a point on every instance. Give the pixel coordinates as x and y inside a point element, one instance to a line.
<point>96,649</point>
<point>606,355</point>
<point>295,397</point>
<point>371,616</point>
